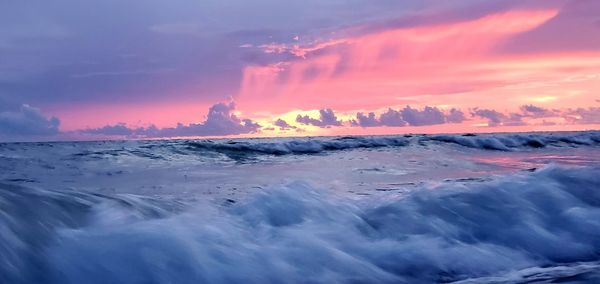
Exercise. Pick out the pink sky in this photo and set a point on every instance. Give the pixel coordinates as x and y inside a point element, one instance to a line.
<point>450,65</point>
<point>498,60</point>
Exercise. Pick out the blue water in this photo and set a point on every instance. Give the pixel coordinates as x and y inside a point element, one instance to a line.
<point>510,208</point>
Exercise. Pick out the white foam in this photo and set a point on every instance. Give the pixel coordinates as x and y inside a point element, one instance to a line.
<point>502,142</point>
<point>297,233</point>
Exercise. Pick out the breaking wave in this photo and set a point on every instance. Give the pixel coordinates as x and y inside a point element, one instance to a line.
<point>507,142</point>
<point>242,149</point>
<point>520,228</point>
<point>310,146</point>
<point>503,142</point>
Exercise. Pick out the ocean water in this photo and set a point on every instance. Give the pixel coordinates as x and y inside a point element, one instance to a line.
<point>487,208</point>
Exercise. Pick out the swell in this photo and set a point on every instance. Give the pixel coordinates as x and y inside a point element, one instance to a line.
<point>497,142</point>
<point>244,149</point>
<point>310,146</point>
<point>30,219</point>
<point>540,221</point>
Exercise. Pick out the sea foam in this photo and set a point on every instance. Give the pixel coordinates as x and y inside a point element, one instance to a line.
<point>300,233</point>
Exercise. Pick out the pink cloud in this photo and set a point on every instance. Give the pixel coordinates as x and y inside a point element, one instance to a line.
<point>377,69</point>
<point>220,121</point>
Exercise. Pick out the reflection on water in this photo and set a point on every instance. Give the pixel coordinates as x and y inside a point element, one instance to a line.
<point>118,167</point>
<point>537,159</point>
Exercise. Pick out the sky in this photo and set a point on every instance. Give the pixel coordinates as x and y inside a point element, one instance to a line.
<point>87,70</point>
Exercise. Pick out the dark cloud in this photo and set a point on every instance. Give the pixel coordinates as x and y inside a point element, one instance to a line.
<point>537,112</point>
<point>283,125</point>
<point>57,52</point>
<point>428,116</point>
<point>65,51</point>
<point>26,122</point>
<point>392,118</point>
<point>496,118</point>
<point>409,116</point>
<point>327,118</point>
<point>573,116</point>
<point>119,129</point>
<point>220,121</point>
<point>583,115</point>
<point>457,11</point>
<point>363,120</point>
<point>455,116</point>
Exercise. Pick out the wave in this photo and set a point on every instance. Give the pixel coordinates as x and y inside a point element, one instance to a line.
<point>500,142</point>
<point>532,225</point>
<point>31,218</point>
<point>580,272</point>
<point>310,146</point>
<point>248,149</point>
<point>507,142</point>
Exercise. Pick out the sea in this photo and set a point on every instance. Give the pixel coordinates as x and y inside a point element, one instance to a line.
<point>460,208</point>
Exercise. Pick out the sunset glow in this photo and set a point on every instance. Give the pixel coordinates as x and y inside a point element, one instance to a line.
<point>313,141</point>
<point>495,59</point>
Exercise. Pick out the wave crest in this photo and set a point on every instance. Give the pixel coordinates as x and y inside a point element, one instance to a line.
<point>296,233</point>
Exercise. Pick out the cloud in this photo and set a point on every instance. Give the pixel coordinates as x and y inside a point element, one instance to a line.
<point>185,51</point>
<point>358,69</point>
<point>455,116</point>
<point>428,116</point>
<point>583,115</point>
<point>119,129</point>
<point>581,15</point>
<point>199,40</point>
<point>368,120</point>
<point>283,125</point>
<point>409,116</point>
<point>496,118</point>
<point>26,122</point>
<point>527,115</point>
<point>220,121</point>
<point>327,119</point>
<point>537,112</point>
<point>392,118</point>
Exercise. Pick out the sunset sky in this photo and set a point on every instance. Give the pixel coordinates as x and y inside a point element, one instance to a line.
<point>72,69</point>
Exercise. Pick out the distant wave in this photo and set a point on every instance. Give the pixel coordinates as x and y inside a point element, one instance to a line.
<point>499,142</point>
<point>507,142</point>
<point>243,149</point>
<point>524,227</point>
<point>301,146</point>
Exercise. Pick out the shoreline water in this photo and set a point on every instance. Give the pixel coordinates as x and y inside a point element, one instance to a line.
<point>414,209</point>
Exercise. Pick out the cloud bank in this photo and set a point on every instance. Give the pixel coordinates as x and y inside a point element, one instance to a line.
<point>409,116</point>
<point>220,121</point>
<point>589,115</point>
<point>283,125</point>
<point>327,118</point>
<point>495,118</point>
<point>26,122</point>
